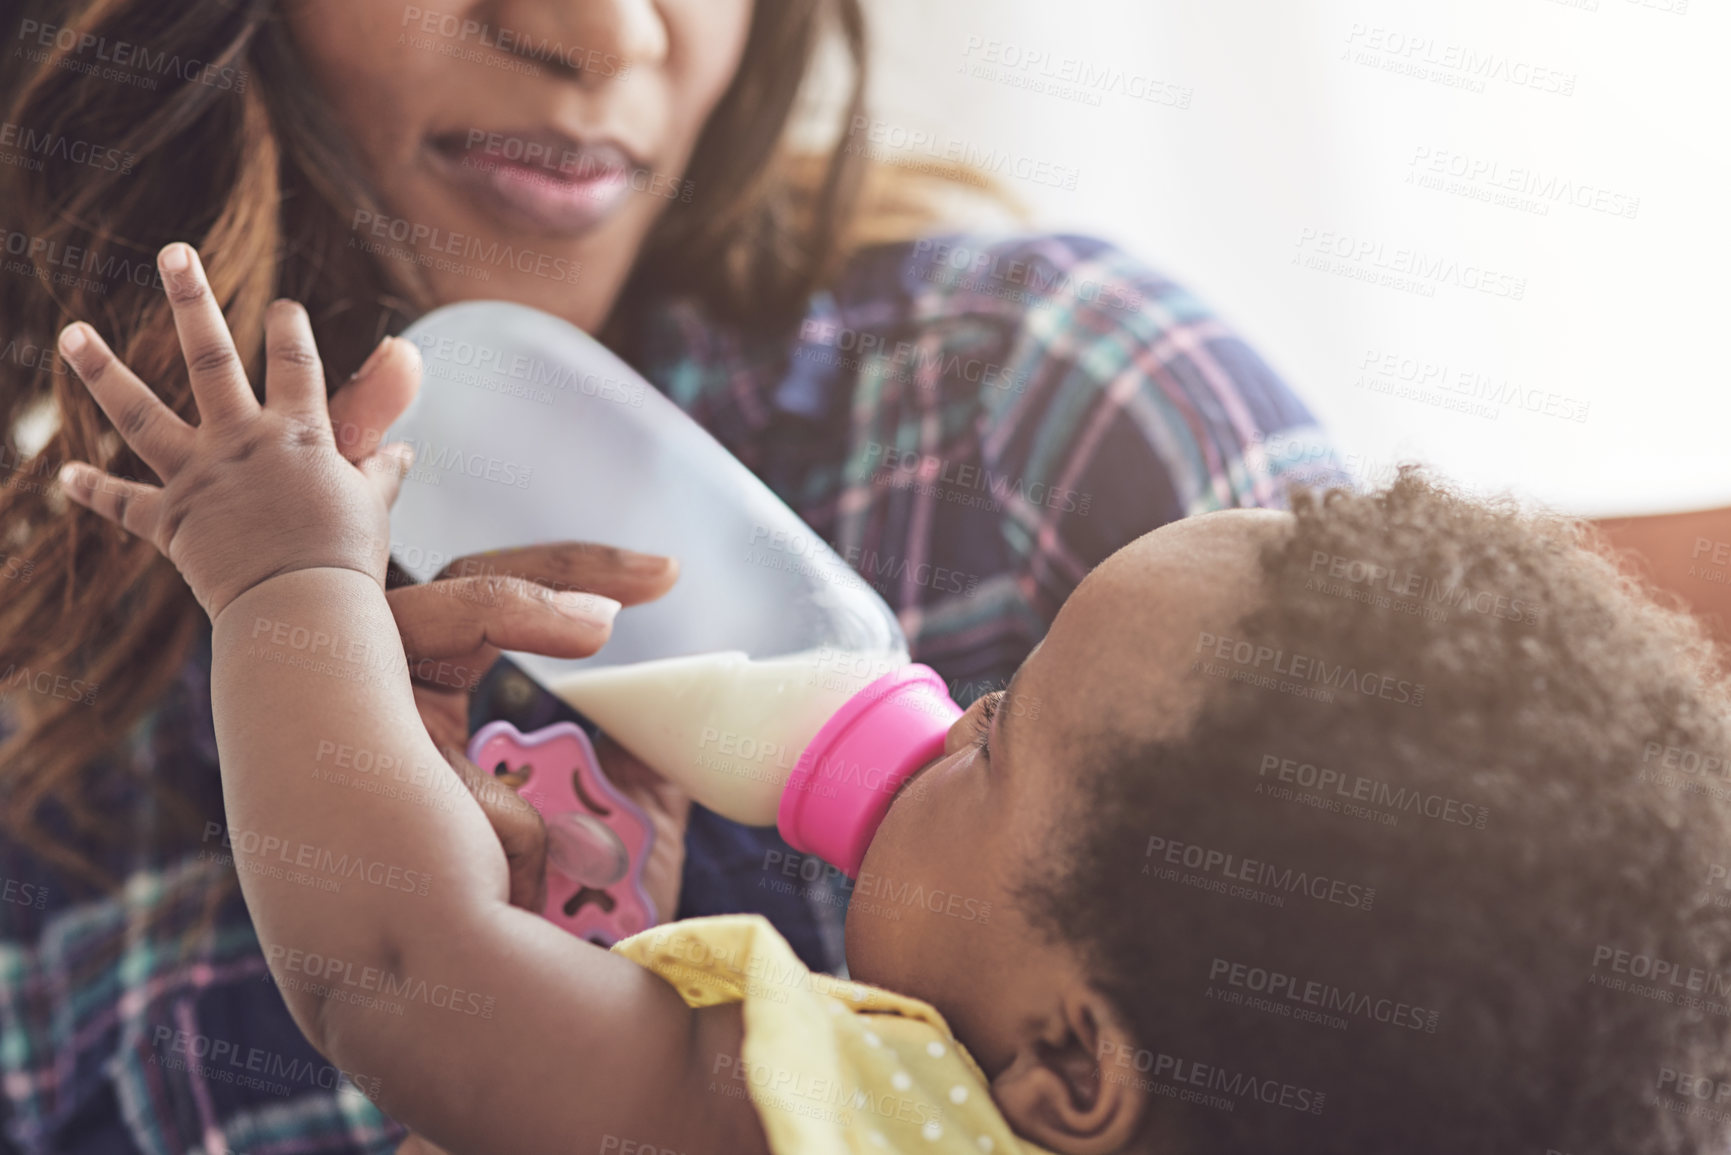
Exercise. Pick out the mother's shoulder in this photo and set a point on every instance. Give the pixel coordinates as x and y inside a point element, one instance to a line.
<point>1075,279</point>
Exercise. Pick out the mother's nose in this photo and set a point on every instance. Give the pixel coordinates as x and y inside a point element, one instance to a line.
<point>595,41</point>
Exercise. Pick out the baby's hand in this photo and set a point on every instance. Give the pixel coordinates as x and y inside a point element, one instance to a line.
<point>253,491</point>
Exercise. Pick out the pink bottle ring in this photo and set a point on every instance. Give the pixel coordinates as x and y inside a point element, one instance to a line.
<point>847,777</point>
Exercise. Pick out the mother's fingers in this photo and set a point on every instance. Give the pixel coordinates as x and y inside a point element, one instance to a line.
<point>465,622</point>
<point>622,574</point>
<point>518,826</point>
<point>363,408</point>
<point>294,377</point>
<point>153,430</point>
<point>126,503</point>
<point>218,379</point>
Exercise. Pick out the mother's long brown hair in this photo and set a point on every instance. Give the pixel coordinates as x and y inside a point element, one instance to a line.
<point>214,137</point>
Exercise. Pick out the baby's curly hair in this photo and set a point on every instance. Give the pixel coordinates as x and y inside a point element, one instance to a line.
<point>1491,912</point>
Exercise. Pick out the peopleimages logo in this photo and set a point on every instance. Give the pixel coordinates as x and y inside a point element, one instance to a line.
<point>911,360</point>
<point>122,60</point>
<point>218,1057</point>
<point>1455,65</point>
<point>423,239</point>
<point>1662,973</point>
<point>887,143</point>
<point>511,42</point>
<point>1462,390</point>
<point>1386,587</point>
<point>887,567</point>
<point>1251,984</point>
<point>891,893</point>
<point>1528,187</point>
<point>974,481</point>
<point>430,458</point>
<point>1035,273</point>
<point>24,894</point>
<point>1231,1086</point>
<point>102,267</point>
<point>47,683</point>
<point>1036,69</point>
<point>1358,788</point>
<point>47,143</point>
<point>444,356</point>
<point>306,856</point>
<point>1683,760</point>
<point>325,973</point>
<point>1234,868</point>
<point>1303,668</point>
<point>1400,266</point>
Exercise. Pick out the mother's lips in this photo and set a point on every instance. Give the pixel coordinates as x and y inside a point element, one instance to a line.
<point>546,150</point>
<point>546,183</point>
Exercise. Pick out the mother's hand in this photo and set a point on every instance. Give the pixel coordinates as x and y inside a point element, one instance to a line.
<point>454,626</point>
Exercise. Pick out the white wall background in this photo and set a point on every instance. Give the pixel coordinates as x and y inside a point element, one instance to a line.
<point>1299,141</point>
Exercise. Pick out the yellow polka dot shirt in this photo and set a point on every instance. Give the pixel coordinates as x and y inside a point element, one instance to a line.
<point>834,1067</point>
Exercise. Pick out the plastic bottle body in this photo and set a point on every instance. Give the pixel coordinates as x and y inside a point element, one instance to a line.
<point>729,729</point>
<point>528,431</point>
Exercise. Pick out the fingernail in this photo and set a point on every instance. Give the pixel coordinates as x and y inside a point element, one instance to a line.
<point>641,563</point>
<point>177,258</point>
<point>372,360</point>
<point>584,607</point>
<point>73,338</point>
<point>68,474</point>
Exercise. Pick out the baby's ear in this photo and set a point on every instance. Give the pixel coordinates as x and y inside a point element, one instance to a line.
<point>1059,1090</point>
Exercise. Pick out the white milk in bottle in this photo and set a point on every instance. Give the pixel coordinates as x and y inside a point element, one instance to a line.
<point>722,683</point>
<point>727,728</point>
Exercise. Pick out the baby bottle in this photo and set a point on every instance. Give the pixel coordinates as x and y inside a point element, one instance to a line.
<point>771,683</point>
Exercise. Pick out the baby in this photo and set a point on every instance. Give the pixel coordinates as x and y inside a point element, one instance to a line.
<point>1390,824</point>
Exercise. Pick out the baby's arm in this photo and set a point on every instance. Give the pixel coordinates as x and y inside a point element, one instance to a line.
<point>512,1034</point>
<point>384,919</point>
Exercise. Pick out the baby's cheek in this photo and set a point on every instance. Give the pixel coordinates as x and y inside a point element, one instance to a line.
<point>920,831</point>
<point>909,823</point>
<point>888,846</point>
<point>901,852</point>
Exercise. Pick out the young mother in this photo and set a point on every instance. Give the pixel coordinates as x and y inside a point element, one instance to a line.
<point>974,422</point>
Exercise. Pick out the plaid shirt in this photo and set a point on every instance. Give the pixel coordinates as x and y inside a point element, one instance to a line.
<point>973,423</point>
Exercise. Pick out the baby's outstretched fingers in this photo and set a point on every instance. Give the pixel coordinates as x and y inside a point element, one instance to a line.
<point>212,364</point>
<point>252,491</point>
<point>153,430</point>
<point>134,506</point>
<point>294,376</point>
